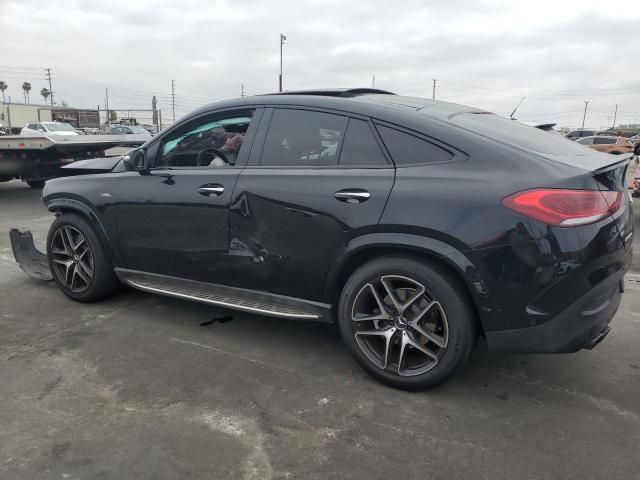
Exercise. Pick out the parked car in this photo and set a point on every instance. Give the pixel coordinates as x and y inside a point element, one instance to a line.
<point>635,179</point>
<point>576,134</point>
<point>416,226</point>
<point>152,129</point>
<point>128,130</point>
<point>3,131</point>
<point>635,139</point>
<point>37,129</point>
<point>606,144</point>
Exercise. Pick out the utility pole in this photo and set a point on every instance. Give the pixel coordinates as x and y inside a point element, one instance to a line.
<point>282,39</point>
<point>586,102</point>
<point>173,99</point>
<point>48,70</point>
<point>106,104</point>
<point>242,89</point>
<point>615,114</point>
<point>433,95</point>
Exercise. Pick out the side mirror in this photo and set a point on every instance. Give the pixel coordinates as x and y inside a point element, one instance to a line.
<point>136,160</point>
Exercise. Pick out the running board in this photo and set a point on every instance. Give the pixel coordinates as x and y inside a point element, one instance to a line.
<point>252,301</point>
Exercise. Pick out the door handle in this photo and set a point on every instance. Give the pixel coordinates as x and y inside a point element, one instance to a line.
<point>353,195</point>
<point>211,190</point>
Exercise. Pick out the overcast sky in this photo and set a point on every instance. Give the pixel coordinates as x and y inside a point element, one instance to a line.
<point>485,53</point>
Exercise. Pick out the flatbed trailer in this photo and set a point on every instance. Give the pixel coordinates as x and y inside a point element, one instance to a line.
<point>37,159</point>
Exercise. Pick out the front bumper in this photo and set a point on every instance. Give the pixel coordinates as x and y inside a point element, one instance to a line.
<point>31,260</point>
<point>582,325</point>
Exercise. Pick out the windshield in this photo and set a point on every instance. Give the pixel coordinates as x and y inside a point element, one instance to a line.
<point>59,127</point>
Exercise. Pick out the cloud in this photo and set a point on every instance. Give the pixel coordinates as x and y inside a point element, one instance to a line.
<point>487,53</point>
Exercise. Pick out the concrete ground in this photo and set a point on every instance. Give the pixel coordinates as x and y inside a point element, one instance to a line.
<point>146,387</point>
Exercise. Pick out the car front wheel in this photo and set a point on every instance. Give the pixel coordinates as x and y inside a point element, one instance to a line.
<point>77,260</point>
<point>408,323</point>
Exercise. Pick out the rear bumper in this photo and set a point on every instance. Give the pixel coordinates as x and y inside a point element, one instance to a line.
<point>581,325</point>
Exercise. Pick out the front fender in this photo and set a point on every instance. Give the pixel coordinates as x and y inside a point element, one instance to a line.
<point>65,204</point>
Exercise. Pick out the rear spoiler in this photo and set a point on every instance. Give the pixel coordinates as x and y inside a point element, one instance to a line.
<point>625,160</point>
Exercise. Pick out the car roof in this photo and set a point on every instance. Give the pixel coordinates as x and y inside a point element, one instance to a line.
<point>364,101</point>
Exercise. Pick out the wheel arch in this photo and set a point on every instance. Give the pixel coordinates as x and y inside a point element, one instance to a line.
<point>426,249</point>
<point>62,205</point>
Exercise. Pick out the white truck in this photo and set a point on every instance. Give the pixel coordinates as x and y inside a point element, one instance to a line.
<point>38,158</point>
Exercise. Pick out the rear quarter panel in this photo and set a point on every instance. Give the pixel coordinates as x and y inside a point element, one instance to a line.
<point>514,259</point>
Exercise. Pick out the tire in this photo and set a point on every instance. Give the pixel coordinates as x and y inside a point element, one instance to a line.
<point>78,262</point>
<point>448,323</point>
<point>36,184</point>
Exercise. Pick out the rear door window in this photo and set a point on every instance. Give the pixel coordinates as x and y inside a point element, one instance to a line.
<point>604,141</point>
<point>360,147</point>
<point>407,149</point>
<point>301,138</point>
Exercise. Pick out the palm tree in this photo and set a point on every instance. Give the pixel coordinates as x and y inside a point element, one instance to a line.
<point>26,86</point>
<point>3,87</point>
<point>45,94</point>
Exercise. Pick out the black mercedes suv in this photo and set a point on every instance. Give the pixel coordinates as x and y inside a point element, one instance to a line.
<point>416,226</point>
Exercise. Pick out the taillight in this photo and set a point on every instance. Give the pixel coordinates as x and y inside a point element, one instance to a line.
<point>564,208</point>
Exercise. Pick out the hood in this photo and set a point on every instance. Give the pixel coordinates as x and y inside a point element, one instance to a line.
<point>92,165</point>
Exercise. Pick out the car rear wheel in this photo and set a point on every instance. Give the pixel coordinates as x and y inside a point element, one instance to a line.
<point>78,262</point>
<point>407,323</point>
<point>37,184</point>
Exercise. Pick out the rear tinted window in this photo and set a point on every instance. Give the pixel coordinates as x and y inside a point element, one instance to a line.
<point>406,149</point>
<point>360,147</point>
<point>516,133</point>
<point>604,141</point>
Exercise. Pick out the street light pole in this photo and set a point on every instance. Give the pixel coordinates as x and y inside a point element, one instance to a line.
<point>586,102</point>
<point>173,99</point>
<point>282,39</point>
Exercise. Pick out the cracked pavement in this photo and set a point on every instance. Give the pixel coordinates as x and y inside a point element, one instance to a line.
<point>136,387</point>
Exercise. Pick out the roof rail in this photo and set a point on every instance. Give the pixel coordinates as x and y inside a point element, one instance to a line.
<point>335,92</point>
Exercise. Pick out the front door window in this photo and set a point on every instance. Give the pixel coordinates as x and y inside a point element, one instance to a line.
<point>212,142</point>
